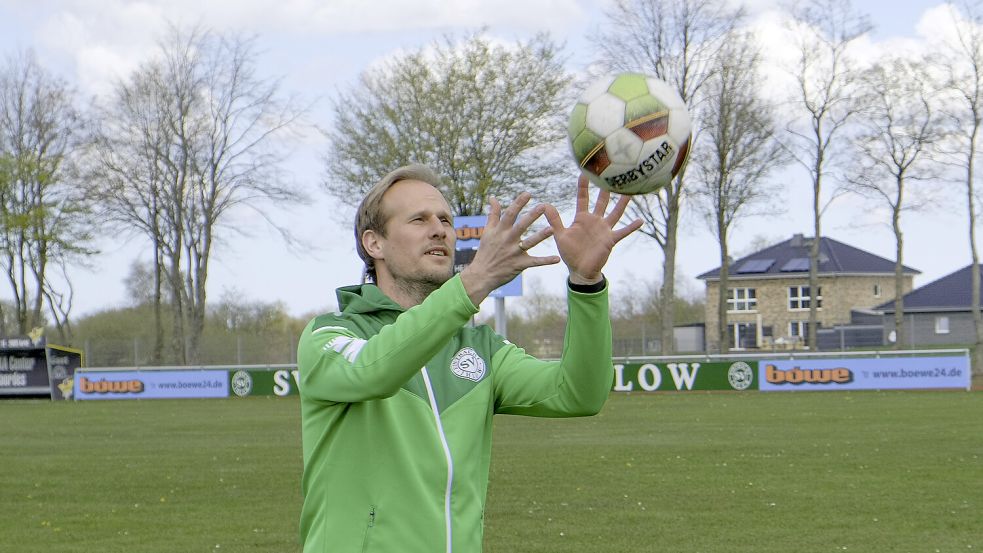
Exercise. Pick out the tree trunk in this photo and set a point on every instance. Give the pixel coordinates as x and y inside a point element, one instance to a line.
<point>723,328</point>
<point>177,312</point>
<point>977,365</point>
<point>157,353</point>
<point>898,274</point>
<point>668,292</point>
<point>814,251</point>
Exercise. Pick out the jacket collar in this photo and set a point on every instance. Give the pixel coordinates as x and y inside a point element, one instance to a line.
<point>365,298</point>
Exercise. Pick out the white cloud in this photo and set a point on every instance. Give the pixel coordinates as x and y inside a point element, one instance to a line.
<point>398,15</point>
<point>105,39</point>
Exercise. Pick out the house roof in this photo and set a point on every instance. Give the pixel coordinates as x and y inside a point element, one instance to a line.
<point>791,258</point>
<point>949,293</point>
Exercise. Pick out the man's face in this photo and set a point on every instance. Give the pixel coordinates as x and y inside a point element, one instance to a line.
<point>417,251</point>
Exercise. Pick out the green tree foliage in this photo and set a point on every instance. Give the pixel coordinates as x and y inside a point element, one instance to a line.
<point>44,212</point>
<point>487,117</point>
<point>236,331</point>
<point>540,325</point>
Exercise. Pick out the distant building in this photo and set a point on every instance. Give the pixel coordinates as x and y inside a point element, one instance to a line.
<point>939,313</point>
<point>768,292</point>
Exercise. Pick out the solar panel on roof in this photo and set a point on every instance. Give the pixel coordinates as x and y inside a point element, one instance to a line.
<point>755,266</point>
<point>796,264</point>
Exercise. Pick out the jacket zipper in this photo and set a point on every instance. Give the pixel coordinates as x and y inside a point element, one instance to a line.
<point>447,456</point>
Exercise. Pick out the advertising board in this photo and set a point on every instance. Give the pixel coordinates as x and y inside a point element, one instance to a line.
<point>155,384</point>
<point>881,373</point>
<point>31,367</point>
<point>280,382</point>
<point>685,376</point>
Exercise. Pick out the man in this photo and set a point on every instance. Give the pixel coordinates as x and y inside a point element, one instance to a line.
<point>398,390</point>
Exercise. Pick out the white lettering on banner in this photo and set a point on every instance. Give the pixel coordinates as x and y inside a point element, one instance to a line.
<point>281,381</point>
<point>682,375</point>
<point>11,363</point>
<point>15,379</point>
<point>643,380</point>
<point>619,380</point>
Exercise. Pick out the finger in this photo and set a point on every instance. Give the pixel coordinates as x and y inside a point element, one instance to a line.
<point>529,218</point>
<point>532,241</point>
<point>583,196</point>
<point>553,218</point>
<point>510,213</point>
<point>603,197</point>
<point>623,232</point>
<point>618,211</point>
<point>495,213</point>
<point>540,261</point>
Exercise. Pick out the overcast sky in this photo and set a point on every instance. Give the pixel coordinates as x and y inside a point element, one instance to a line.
<point>318,47</point>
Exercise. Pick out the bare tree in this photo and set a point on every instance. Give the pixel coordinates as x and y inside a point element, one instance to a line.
<point>193,136</point>
<point>44,214</point>
<point>678,43</point>
<point>962,63</point>
<point>825,83</point>
<point>737,152</point>
<point>897,131</point>
<point>486,117</point>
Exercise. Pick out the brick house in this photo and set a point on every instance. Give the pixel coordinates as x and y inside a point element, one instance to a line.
<point>769,297</point>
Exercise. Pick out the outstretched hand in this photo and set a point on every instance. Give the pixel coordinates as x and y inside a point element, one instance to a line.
<point>586,244</point>
<point>502,252</point>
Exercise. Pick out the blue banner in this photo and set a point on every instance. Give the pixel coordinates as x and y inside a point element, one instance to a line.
<point>883,373</point>
<point>157,384</point>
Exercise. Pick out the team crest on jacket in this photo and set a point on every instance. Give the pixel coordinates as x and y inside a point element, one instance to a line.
<point>468,364</point>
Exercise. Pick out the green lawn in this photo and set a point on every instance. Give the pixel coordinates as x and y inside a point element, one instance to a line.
<point>682,472</point>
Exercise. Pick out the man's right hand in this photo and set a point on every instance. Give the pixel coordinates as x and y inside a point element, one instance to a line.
<point>502,253</point>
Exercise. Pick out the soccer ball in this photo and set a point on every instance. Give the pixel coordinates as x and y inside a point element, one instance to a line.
<point>630,133</point>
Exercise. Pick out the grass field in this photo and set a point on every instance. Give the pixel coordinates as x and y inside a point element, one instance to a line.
<point>709,472</point>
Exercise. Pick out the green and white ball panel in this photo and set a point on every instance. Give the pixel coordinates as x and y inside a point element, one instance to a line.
<point>583,140</point>
<point>643,106</point>
<point>629,132</point>
<point>629,86</point>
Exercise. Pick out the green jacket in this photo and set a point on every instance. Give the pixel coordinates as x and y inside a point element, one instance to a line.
<point>397,412</point>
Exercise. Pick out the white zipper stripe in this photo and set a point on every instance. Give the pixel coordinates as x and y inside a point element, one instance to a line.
<point>447,455</point>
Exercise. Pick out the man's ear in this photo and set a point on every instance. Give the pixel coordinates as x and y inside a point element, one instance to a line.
<point>372,243</point>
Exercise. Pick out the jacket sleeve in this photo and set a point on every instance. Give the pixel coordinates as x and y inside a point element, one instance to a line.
<point>576,385</point>
<point>336,365</point>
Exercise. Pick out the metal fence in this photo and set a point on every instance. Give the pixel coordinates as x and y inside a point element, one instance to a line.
<point>230,349</point>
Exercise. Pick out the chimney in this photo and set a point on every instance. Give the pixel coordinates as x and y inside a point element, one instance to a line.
<point>798,240</point>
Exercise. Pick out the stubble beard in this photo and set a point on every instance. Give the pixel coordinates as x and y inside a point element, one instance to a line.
<point>419,287</point>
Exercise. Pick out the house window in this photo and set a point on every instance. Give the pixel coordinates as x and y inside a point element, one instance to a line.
<point>743,335</point>
<point>877,290</point>
<point>800,330</point>
<point>942,325</point>
<point>742,299</point>
<point>799,298</point>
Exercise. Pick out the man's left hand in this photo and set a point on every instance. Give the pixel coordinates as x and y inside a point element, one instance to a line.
<point>587,243</point>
